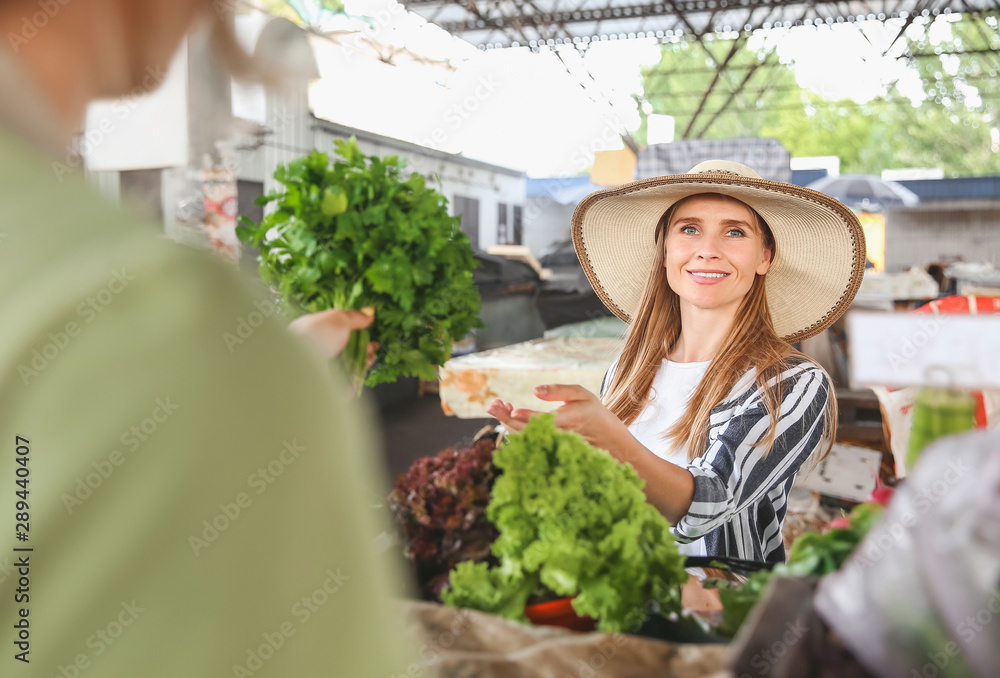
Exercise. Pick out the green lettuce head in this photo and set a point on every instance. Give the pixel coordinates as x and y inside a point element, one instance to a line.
<point>574,520</point>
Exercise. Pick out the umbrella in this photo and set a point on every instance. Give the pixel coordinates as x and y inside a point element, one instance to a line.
<point>865,192</point>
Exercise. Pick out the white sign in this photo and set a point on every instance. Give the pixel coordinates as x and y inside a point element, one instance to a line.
<point>915,349</point>
<point>848,473</point>
<point>660,129</point>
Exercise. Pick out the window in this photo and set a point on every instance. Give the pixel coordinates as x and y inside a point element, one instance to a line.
<point>502,238</point>
<point>518,225</point>
<point>468,209</point>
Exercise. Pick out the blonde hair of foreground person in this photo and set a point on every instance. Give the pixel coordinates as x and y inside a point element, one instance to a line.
<point>751,343</point>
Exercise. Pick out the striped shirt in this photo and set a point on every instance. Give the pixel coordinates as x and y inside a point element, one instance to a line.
<point>740,495</point>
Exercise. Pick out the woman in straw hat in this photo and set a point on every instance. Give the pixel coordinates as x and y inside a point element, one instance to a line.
<point>717,272</point>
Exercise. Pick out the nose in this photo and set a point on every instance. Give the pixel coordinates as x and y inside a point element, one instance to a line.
<point>708,247</point>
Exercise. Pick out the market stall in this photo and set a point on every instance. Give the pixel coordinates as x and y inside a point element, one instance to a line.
<point>536,549</point>
<point>727,616</point>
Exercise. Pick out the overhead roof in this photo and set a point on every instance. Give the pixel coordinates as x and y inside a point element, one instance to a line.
<point>503,23</point>
<point>416,149</point>
<point>959,188</point>
<point>541,24</point>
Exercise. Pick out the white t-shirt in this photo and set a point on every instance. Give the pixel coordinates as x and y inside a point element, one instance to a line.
<point>672,389</point>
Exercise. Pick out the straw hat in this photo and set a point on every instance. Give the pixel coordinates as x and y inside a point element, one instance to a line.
<point>820,245</point>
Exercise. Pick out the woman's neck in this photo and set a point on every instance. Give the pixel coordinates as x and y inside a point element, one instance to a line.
<point>703,332</point>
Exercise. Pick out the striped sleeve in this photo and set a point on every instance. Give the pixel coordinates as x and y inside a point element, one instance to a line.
<point>608,376</point>
<point>732,475</point>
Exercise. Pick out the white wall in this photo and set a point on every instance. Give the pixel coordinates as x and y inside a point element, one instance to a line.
<point>546,222</point>
<point>146,129</point>
<point>490,189</point>
<point>966,229</point>
<point>294,134</point>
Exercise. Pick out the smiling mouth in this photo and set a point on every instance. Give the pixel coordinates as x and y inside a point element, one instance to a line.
<point>708,275</point>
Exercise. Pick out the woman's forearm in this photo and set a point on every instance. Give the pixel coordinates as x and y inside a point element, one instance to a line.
<point>669,487</point>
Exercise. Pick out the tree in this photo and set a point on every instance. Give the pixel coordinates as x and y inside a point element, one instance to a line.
<point>954,127</point>
<point>677,86</point>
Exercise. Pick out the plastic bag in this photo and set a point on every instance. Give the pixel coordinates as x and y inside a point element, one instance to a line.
<point>919,596</point>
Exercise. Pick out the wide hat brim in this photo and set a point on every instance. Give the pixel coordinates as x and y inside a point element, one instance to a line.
<point>820,258</point>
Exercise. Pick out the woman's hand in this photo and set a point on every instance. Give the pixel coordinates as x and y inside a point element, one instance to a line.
<point>670,488</point>
<point>581,412</point>
<point>328,331</point>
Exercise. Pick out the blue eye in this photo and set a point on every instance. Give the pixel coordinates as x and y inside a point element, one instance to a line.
<point>688,229</point>
<point>737,231</point>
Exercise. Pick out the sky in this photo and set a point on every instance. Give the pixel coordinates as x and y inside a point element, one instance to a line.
<point>545,115</point>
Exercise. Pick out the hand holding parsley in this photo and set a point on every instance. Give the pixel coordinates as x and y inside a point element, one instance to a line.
<point>330,331</point>
<point>357,234</point>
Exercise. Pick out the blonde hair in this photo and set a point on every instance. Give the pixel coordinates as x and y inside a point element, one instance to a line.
<point>751,343</point>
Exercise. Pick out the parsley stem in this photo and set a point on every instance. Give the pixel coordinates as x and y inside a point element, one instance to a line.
<point>355,357</point>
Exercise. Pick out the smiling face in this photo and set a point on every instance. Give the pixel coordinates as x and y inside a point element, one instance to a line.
<point>714,250</point>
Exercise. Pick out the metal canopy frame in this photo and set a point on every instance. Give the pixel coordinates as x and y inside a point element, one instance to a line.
<point>504,23</point>
<point>545,24</point>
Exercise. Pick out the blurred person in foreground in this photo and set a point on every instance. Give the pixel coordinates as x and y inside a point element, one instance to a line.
<point>191,510</point>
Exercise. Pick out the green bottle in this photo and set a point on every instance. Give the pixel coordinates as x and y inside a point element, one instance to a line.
<point>937,413</point>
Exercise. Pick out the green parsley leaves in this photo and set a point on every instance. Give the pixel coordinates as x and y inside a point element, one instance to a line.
<point>359,233</point>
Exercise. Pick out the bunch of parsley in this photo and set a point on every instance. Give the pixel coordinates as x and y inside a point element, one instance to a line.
<point>358,234</point>
<point>573,521</point>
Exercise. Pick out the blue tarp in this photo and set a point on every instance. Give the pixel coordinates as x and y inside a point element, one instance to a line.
<point>563,190</point>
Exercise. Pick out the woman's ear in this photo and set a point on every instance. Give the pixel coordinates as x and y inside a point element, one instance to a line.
<point>765,263</point>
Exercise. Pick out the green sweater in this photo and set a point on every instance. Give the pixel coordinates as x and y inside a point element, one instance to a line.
<point>196,506</point>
